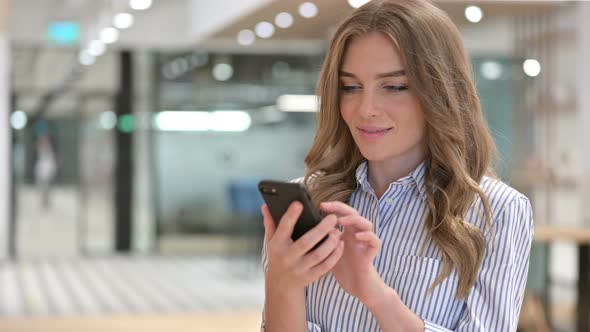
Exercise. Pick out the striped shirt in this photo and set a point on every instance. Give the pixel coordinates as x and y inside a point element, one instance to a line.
<point>494,301</point>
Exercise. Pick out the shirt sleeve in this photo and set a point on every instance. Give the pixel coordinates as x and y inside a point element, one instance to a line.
<point>495,300</point>
<point>312,327</point>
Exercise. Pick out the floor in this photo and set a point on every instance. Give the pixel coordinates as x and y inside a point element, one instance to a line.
<point>131,294</point>
<point>52,288</point>
<point>195,284</point>
<point>240,321</point>
<point>47,288</point>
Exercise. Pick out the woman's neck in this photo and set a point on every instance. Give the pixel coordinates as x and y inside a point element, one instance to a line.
<point>384,172</point>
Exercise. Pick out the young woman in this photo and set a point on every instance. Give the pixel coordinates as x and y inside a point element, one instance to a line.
<point>401,162</point>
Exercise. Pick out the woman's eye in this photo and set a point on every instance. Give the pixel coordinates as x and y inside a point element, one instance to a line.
<point>349,88</point>
<point>396,88</point>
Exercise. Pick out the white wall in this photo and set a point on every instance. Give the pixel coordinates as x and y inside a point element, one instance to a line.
<point>492,36</point>
<point>569,90</point>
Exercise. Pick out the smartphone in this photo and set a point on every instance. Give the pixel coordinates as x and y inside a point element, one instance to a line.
<point>279,195</point>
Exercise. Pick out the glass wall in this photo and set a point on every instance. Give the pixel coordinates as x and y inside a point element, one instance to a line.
<point>207,176</point>
<point>62,158</point>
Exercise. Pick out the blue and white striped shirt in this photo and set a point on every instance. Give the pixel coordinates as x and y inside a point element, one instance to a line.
<point>493,303</point>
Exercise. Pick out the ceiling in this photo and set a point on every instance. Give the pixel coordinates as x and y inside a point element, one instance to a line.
<point>181,25</point>
<point>171,24</point>
<point>332,11</point>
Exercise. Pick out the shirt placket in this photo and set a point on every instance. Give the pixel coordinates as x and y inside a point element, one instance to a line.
<point>393,201</point>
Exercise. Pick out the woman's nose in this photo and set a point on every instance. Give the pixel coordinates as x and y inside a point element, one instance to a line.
<point>368,105</point>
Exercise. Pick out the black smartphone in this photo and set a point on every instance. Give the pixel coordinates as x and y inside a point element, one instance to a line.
<point>279,195</point>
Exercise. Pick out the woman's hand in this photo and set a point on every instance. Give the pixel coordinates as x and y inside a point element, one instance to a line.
<point>355,271</point>
<point>291,265</point>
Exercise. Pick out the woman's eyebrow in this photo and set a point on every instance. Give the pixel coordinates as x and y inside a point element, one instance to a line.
<point>395,73</point>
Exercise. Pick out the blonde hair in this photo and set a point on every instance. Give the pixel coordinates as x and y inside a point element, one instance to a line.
<point>460,147</point>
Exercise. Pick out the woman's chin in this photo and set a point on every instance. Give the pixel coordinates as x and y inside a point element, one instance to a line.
<point>374,155</point>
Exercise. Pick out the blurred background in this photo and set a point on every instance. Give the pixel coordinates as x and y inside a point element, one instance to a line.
<point>133,134</point>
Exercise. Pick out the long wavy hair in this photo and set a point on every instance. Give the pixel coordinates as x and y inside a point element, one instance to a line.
<point>459,146</point>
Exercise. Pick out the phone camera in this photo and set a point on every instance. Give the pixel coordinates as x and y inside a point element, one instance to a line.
<point>267,190</point>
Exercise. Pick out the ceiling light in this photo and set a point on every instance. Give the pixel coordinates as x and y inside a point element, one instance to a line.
<point>264,30</point>
<point>174,69</point>
<point>108,120</point>
<point>473,14</point>
<point>223,71</point>
<point>18,120</point>
<point>182,121</point>
<point>246,37</point>
<point>183,65</point>
<point>96,48</point>
<point>109,35</point>
<point>229,121</point>
<point>203,121</point>
<point>357,3</point>
<point>86,59</point>
<point>140,4</point>
<point>284,20</point>
<point>123,21</point>
<point>308,10</point>
<point>531,67</point>
<point>298,103</point>
<point>491,70</point>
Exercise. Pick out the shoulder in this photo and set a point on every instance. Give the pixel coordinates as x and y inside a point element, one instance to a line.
<point>508,208</point>
<point>500,195</point>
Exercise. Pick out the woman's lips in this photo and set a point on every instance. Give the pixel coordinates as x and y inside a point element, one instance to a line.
<point>373,132</point>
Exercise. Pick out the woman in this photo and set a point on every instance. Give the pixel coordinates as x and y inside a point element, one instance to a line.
<point>401,162</point>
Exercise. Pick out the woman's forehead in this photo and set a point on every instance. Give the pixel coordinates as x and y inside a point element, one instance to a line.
<point>371,52</point>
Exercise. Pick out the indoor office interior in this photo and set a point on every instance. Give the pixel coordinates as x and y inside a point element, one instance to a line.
<point>135,133</point>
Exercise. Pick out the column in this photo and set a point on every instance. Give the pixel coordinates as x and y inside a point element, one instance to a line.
<point>5,132</point>
<point>146,101</point>
<point>124,157</point>
<point>583,68</point>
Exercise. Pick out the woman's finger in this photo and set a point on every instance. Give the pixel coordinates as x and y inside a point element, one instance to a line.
<point>308,240</point>
<point>316,256</point>
<point>356,221</point>
<point>338,208</point>
<point>269,223</point>
<point>328,264</point>
<point>288,220</point>
<point>369,238</point>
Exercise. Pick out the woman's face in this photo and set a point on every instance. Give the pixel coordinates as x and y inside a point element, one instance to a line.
<point>380,109</point>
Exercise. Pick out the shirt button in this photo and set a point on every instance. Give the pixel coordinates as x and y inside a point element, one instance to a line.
<point>389,200</point>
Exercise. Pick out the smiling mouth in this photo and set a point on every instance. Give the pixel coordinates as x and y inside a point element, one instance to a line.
<point>374,131</point>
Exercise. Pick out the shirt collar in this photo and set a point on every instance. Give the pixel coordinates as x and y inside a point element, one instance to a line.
<point>416,177</point>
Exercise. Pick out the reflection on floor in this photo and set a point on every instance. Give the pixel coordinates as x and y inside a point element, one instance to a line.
<point>121,285</point>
